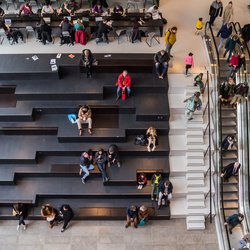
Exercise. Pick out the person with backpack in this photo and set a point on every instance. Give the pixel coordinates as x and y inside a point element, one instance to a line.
<point>224,33</point>
<point>198,82</point>
<point>170,39</point>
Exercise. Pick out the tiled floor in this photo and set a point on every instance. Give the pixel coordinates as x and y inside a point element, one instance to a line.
<point>106,235</point>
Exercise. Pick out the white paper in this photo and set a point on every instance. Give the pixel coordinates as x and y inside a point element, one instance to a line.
<point>59,55</point>
<point>54,67</point>
<point>35,57</point>
<point>107,55</point>
<point>52,61</point>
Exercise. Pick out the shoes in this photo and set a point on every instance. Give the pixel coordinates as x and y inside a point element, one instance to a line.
<point>149,149</point>
<point>191,118</point>
<point>83,181</point>
<point>24,227</point>
<point>170,55</point>
<point>51,225</point>
<point>117,98</point>
<point>126,226</point>
<point>153,149</point>
<point>160,77</point>
<point>135,225</point>
<point>90,131</point>
<point>152,198</point>
<point>62,230</point>
<point>156,198</point>
<point>80,132</point>
<point>17,228</point>
<point>107,179</point>
<point>118,164</point>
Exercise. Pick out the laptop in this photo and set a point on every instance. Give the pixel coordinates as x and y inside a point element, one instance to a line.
<point>7,22</point>
<point>85,19</point>
<point>98,18</point>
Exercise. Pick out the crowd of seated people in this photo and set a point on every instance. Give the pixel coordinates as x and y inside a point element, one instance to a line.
<point>71,10</point>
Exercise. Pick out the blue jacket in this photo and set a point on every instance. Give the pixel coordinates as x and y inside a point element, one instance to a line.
<point>224,31</point>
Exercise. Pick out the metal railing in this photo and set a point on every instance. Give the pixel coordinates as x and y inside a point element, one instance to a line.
<point>216,60</point>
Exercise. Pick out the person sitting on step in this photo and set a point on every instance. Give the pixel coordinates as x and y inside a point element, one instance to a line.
<point>103,29</point>
<point>132,216</point>
<point>152,138</point>
<point>234,220</point>
<point>87,62</point>
<point>86,165</point>
<point>113,156</point>
<point>123,85</point>
<point>84,116</point>
<point>143,215</point>
<point>165,193</point>
<point>155,181</point>
<point>50,214</point>
<point>230,170</point>
<point>101,160</point>
<point>141,181</point>
<point>161,60</point>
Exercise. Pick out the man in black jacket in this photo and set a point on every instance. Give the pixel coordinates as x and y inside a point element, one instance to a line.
<point>161,60</point>
<point>240,91</point>
<point>104,28</point>
<point>66,214</point>
<point>215,10</point>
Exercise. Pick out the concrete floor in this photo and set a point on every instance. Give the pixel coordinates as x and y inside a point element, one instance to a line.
<point>106,235</point>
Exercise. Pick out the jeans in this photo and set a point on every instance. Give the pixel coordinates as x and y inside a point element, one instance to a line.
<point>230,53</point>
<point>86,169</point>
<point>169,47</point>
<point>154,190</point>
<point>161,68</point>
<point>237,99</point>
<point>222,42</point>
<point>101,167</point>
<point>243,243</point>
<point>189,113</point>
<point>119,91</point>
<point>169,197</point>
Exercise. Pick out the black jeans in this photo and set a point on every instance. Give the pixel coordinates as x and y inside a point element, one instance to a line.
<point>21,220</point>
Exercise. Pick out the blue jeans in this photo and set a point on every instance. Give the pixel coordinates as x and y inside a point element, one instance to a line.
<point>161,68</point>
<point>119,91</point>
<point>169,47</point>
<point>243,243</point>
<point>102,169</point>
<point>86,169</point>
<point>222,41</point>
<point>230,53</point>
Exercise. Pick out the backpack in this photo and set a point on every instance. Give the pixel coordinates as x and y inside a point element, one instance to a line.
<point>141,140</point>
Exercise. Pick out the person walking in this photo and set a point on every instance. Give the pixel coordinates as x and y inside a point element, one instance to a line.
<point>170,39</point>
<point>199,26</point>
<point>193,103</point>
<point>66,214</point>
<point>224,33</point>
<point>230,46</point>
<point>215,10</point>
<point>101,159</point>
<point>189,61</point>
<point>50,214</point>
<point>20,211</point>
<point>228,13</point>
<point>198,82</point>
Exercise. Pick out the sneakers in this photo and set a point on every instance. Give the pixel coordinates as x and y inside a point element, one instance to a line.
<point>135,225</point>
<point>126,226</point>
<point>17,228</point>
<point>191,118</point>
<point>83,181</point>
<point>62,230</point>
<point>24,227</point>
<point>152,198</point>
<point>161,77</point>
<point>149,149</point>
<point>80,132</point>
<point>118,164</point>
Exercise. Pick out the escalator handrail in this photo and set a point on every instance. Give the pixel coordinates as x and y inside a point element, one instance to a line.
<point>208,27</point>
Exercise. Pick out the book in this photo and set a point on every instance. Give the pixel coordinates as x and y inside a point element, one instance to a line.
<point>71,56</point>
<point>52,61</point>
<point>35,57</point>
<point>54,67</point>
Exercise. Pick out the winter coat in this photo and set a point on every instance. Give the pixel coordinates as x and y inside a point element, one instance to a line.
<point>169,188</point>
<point>193,103</point>
<point>216,9</point>
<point>229,170</point>
<point>124,81</point>
<point>142,179</point>
<point>234,61</point>
<point>66,214</point>
<point>170,37</point>
<point>101,159</point>
<point>199,25</point>
<point>231,43</point>
<point>228,14</point>
<point>242,61</point>
<point>84,116</point>
<point>225,31</point>
<point>240,89</point>
<point>159,58</point>
<point>226,90</point>
<point>233,220</point>
<point>189,60</point>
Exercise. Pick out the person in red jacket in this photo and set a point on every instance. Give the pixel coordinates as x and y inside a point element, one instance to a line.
<point>234,62</point>
<point>123,84</point>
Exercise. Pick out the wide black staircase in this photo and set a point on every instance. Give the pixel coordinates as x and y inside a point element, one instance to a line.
<point>40,148</point>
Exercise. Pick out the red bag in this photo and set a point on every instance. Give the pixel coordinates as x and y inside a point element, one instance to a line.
<point>124,94</point>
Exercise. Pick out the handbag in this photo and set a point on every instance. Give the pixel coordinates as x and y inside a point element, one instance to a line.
<point>142,222</point>
<point>141,140</point>
<point>72,118</point>
<point>50,218</point>
<point>14,212</point>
